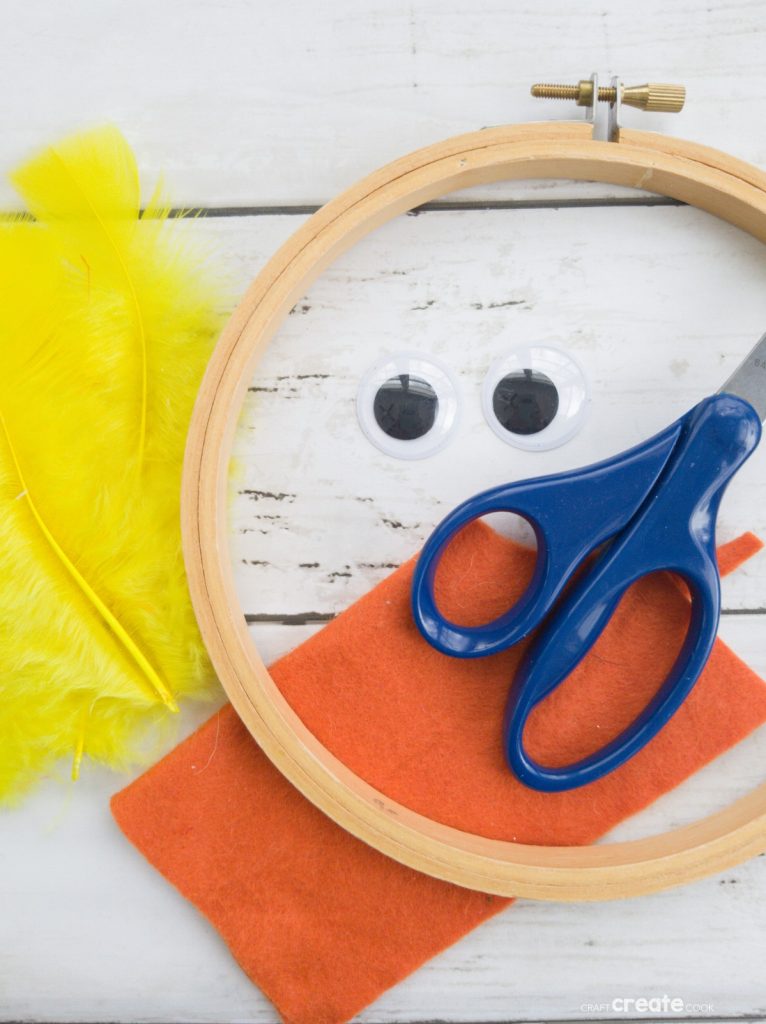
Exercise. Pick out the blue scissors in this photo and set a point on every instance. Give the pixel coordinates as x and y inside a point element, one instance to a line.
<point>653,507</point>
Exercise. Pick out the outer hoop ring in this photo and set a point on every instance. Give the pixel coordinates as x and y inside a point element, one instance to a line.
<point>703,177</point>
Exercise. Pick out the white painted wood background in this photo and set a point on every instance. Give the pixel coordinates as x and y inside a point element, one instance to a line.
<point>253,111</point>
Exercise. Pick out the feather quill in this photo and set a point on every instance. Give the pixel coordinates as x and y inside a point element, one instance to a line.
<point>106,323</point>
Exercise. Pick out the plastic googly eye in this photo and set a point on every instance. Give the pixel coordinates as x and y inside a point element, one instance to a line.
<point>535,397</point>
<point>407,405</point>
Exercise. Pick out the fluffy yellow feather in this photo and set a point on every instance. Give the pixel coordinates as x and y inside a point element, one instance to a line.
<point>106,323</point>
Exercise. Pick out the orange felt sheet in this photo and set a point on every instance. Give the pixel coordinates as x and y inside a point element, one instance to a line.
<point>320,921</point>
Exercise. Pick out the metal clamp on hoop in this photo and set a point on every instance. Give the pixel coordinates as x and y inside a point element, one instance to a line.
<point>654,96</point>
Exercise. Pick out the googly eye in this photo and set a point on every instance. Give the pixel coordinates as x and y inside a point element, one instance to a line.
<point>535,397</point>
<point>407,405</point>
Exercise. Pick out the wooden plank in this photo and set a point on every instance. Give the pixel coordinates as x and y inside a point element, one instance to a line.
<point>89,932</point>
<point>241,106</point>
<point>659,304</point>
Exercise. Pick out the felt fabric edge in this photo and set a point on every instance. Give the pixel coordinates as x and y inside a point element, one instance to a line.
<point>731,555</point>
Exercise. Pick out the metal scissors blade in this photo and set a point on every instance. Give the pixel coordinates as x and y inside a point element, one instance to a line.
<point>749,379</point>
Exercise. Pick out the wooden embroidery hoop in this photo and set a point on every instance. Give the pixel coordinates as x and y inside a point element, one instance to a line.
<point>703,177</point>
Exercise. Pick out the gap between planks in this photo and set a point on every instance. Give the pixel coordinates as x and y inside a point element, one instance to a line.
<point>309,618</point>
<point>439,206</point>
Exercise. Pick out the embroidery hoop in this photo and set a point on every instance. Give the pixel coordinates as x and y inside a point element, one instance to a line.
<point>702,177</point>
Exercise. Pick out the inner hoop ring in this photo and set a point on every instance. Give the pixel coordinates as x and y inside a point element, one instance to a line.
<point>705,178</point>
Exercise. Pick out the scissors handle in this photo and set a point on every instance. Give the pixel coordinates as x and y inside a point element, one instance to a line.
<point>675,531</point>
<point>571,514</point>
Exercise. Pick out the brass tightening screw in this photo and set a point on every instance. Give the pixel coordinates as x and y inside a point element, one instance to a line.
<point>652,96</point>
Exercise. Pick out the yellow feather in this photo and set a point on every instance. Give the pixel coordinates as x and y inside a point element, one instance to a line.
<point>106,323</point>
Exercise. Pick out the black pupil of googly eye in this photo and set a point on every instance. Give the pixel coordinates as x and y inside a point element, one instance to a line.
<point>525,401</point>
<point>405,407</point>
